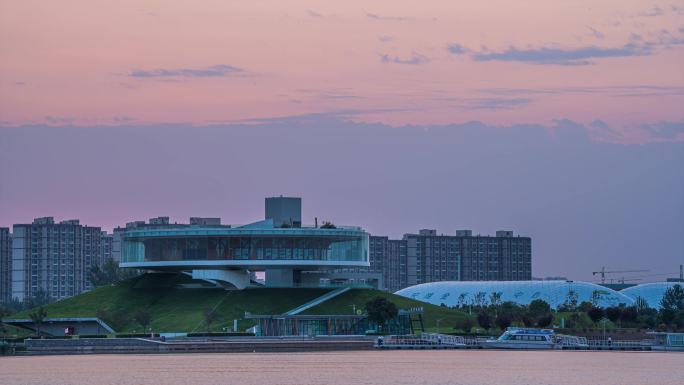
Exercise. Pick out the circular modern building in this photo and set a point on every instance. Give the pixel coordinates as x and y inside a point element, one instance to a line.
<point>279,246</point>
<point>652,293</point>
<point>555,293</point>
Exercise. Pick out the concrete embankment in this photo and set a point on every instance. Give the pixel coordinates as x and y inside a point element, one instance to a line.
<point>142,345</point>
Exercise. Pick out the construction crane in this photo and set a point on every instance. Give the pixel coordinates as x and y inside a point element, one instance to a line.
<point>603,273</point>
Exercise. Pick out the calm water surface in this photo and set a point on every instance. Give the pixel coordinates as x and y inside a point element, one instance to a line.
<point>351,368</point>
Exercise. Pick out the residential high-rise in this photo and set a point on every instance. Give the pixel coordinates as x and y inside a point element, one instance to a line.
<point>388,257</point>
<point>428,257</point>
<point>5,264</point>
<point>501,258</point>
<point>54,257</point>
<point>432,257</point>
<point>106,246</point>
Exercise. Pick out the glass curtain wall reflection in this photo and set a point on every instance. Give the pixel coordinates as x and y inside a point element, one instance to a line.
<point>326,248</point>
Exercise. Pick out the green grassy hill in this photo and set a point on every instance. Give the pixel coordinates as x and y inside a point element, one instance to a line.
<point>176,309</point>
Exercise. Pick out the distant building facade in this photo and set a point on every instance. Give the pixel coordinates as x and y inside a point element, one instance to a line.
<point>5,264</point>
<point>429,257</point>
<point>106,246</point>
<point>54,257</point>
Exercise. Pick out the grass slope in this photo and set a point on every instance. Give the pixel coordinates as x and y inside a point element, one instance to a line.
<point>175,309</point>
<point>342,304</point>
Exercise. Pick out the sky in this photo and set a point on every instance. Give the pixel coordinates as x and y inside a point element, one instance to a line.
<point>560,120</point>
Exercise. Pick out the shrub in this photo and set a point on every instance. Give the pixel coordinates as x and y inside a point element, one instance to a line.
<point>466,325</point>
<point>502,322</point>
<point>484,320</point>
<point>613,313</point>
<point>381,310</point>
<point>545,320</point>
<point>595,314</point>
<point>538,308</point>
<point>629,314</point>
<point>585,306</point>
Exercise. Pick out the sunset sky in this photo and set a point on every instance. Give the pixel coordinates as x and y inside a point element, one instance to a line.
<point>395,62</point>
<point>562,120</point>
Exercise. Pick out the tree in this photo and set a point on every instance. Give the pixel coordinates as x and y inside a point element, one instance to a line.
<point>641,304</point>
<point>545,320</point>
<point>613,313</point>
<point>512,310</point>
<point>209,318</point>
<point>5,311</point>
<point>109,273</point>
<point>466,325</point>
<point>527,321</point>
<point>584,306</point>
<point>596,314</point>
<point>667,316</point>
<point>143,318</point>
<point>381,310</point>
<point>40,298</point>
<point>480,299</point>
<point>461,300</point>
<point>629,314</point>
<point>14,304</point>
<point>495,298</point>
<point>37,317</point>
<point>538,308</point>
<point>328,225</point>
<point>673,299</point>
<point>484,320</point>
<point>502,321</point>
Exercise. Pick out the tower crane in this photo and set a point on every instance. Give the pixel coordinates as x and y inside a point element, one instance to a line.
<point>603,273</point>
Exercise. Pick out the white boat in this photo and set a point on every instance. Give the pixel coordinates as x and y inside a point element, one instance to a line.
<point>523,338</point>
<point>668,341</point>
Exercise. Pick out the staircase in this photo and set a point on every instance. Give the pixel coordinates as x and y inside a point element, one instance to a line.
<point>317,301</point>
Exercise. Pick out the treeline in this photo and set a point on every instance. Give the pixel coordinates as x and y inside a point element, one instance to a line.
<point>572,315</point>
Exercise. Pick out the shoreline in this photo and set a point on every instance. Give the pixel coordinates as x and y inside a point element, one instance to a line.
<point>85,346</point>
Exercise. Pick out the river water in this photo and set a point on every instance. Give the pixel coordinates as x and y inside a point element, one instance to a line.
<point>350,368</point>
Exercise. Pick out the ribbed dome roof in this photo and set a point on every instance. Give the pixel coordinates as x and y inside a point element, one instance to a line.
<point>555,293</point>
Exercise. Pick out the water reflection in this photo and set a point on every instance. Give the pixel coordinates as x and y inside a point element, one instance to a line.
<point>350,368</point>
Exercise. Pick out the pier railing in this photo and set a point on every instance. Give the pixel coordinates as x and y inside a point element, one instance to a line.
<point>620,345</point>
<point>443,339</point>
<point>423,339</point>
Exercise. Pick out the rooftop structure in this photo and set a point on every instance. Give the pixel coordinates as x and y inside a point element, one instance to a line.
<point>555,293</point>
<point>284,211</point>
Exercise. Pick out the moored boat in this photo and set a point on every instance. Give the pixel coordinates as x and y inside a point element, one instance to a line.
<point>523,338</point>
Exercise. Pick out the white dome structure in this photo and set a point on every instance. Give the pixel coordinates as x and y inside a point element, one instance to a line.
<point>652,293</point>
<point>555,293</point>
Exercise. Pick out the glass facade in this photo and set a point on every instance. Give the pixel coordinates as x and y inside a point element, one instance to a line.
<point>314,247</point>
<point>331,325</point>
